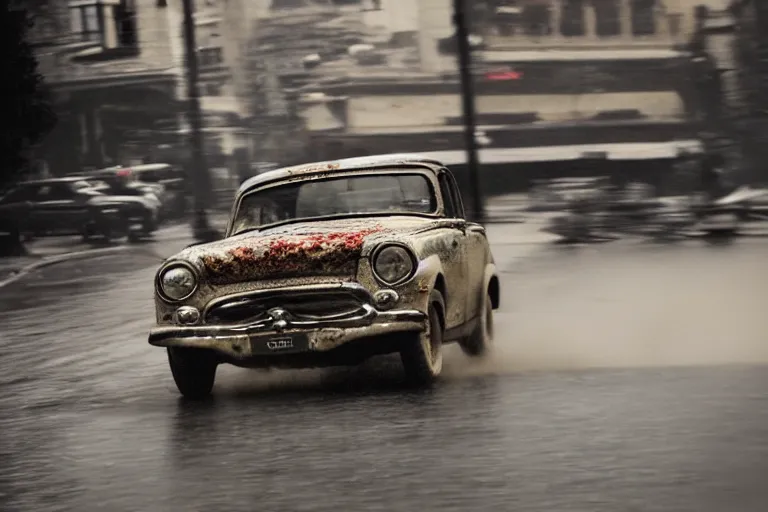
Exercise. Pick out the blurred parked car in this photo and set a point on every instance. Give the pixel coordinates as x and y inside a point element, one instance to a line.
<point>70,206</point>
<point>164,181</point>
<point>172,179</point>
<point>115,187</point>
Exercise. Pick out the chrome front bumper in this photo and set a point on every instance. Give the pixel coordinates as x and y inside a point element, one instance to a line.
<point>321,335</point>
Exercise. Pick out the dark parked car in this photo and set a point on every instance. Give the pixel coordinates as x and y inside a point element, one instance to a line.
<point>115,187</point>
<point>70,206</point>
<point>172,181</point>
<point>163,181</point>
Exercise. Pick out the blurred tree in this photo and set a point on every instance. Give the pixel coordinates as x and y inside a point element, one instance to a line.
<point>27,114</point>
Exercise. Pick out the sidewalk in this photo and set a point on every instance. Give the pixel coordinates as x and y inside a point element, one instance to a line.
<point>40,250</point>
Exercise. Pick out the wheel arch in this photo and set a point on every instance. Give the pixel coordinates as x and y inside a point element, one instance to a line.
<point>494,291</point>
<point>440,286</point>
<point>492,285</point>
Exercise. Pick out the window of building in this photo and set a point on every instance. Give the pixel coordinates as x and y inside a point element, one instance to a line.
<point>210,56</point>
<point>109,22</point>
<point>536,19</point>
<point>85,21</point>
<point>503,16</point>
<point>212,90</point>
<point>643,14</point>
<point>44,25</point>
<point>127,26</point>
<point>607,18</point>
<point>572,22</point>
<point>675,21</point>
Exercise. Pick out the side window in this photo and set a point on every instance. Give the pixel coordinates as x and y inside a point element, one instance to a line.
<point>20,194</point>
<point>448,198</point>
<point>60,192</point>
<point>456,195</point>
<point>44,193</point>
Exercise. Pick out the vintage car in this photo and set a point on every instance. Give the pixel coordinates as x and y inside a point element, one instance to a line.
<point>328,264</point>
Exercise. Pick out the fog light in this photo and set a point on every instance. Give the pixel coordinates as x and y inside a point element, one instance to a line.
<point>187,315</point>
<point>385,299</point>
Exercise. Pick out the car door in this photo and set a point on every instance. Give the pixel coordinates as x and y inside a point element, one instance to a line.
<point>62,210</point>
<point>476,254</point>
<point>16,206</point>
<point>454,259</point>
<point>42,212</point>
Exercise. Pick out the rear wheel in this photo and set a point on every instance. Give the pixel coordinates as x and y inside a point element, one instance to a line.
<point>422,356</point>
<point>194,371</point>
<point>481,340</point>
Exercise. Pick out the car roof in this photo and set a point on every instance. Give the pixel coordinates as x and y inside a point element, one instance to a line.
<point>345,164</point>
<point>65,179</point>
<point>146,167</point>
<point>131,168</point>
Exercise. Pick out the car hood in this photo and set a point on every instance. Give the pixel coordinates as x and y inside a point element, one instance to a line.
<point>311,249</point>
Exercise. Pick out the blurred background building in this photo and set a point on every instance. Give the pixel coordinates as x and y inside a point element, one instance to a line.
<point>115,68</point>
<point>285,81</point>
<point>603,77</point>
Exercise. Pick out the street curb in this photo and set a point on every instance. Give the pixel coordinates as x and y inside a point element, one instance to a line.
<point>53,260</point>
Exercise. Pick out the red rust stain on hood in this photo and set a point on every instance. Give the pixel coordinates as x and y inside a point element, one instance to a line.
<point>288,255</point>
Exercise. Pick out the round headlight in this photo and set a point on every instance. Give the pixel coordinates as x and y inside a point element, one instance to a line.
<point>177,283</point>
<point>393,264</point>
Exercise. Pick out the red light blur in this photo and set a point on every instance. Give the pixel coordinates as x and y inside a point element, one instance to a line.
<point>124,172</point>
<point>504,75</point>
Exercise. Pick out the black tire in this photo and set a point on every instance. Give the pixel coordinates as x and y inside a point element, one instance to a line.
<point>422,355</point>
<point>481,340</point>
<point>194,371</point>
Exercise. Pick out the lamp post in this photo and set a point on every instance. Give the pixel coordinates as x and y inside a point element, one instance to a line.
<point>199,166</point>
<point>468,106</point>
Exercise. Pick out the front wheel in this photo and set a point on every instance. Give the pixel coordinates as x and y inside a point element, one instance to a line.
<point>194,371</point>
<point>422,356</point>
<point>481,340</point>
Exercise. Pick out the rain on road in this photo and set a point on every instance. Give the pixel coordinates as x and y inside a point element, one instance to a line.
<point>630,376</point>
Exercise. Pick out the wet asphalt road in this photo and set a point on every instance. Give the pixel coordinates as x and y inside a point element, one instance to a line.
<point>630,377</point>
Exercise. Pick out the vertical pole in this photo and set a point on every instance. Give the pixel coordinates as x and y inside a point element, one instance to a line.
<point>468,105</point>
<point>199,167</point>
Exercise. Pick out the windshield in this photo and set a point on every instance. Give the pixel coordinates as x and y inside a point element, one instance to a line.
<point>370,194</point>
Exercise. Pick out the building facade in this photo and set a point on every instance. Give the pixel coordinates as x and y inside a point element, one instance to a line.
<point>570,84</point>
<point>115,69</point>
<point>747,78</point>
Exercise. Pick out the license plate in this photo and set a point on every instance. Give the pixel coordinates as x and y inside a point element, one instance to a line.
<point>280,344</point>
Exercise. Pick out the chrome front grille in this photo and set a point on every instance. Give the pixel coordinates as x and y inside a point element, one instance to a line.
<point>303,304</point>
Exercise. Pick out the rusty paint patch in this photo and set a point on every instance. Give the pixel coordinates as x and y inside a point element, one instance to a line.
<point>318,254</point>
<point>331,166</point>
